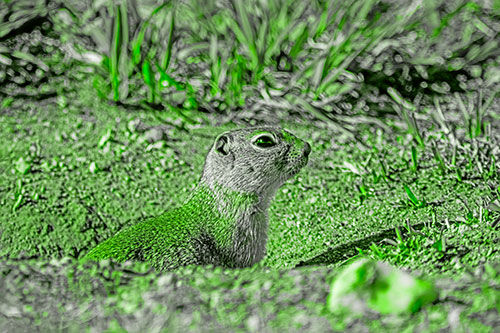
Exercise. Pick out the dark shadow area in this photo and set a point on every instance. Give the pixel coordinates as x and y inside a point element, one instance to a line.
<point>349,250</point>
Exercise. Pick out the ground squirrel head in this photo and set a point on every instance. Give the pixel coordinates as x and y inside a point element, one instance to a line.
<point>254,160</point>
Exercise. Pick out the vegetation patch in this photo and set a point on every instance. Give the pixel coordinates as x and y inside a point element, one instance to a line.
<point>107,111</point>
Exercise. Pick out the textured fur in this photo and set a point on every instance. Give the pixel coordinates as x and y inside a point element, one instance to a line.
<point>224,221</point>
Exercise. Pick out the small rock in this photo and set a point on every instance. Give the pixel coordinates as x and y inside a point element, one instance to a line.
<point>368,285</point>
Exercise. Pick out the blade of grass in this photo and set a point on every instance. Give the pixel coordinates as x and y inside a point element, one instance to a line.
<point>323,19</point>
<point>170,82</point>
<point>399,235</point>
<point>439,159</point>
<point>168,53</point>
<point>396,96</point>
<point>115,52</point>
<point>196,47</point>
<point>148,76</point>
<point>405,115</point>
<point>390,241</point>
<point>246,34</point>
<point>377,251</point>
<point>137,43</point>
<point>414,161</point>
<point>284,25</point>
<point>299,41</point>
<point>479,107</point>
<point>138,40</point>
<point>124,62</point>
<point>263,34</point>
<point>412,197</point>
<point>215,62</point>
<point>493,169</point>
<point>411,124</point>
<point>383,169</point>
<point>444,22</point>
<point>465,113</point>
<point>439,115</point>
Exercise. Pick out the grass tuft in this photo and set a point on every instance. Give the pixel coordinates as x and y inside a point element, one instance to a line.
<point>413,199</point>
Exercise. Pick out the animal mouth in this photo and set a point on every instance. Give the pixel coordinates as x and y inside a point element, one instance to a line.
<point>296,167</point>
<point>295,160</point>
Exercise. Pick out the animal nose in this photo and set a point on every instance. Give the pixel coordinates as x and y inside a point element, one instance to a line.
<point>307,149</point>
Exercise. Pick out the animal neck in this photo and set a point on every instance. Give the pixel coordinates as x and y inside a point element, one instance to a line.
<point>240,223</point>
<point>227,202</point>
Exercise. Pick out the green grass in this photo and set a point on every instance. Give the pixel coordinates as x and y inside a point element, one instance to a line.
<point>225,53</point>
<point>49,175</point>
<point>399,102</point>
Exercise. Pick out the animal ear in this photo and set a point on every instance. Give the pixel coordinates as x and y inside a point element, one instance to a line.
<point>222,144</point>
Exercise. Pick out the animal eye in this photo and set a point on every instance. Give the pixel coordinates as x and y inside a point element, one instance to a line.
<point>264,141</point>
